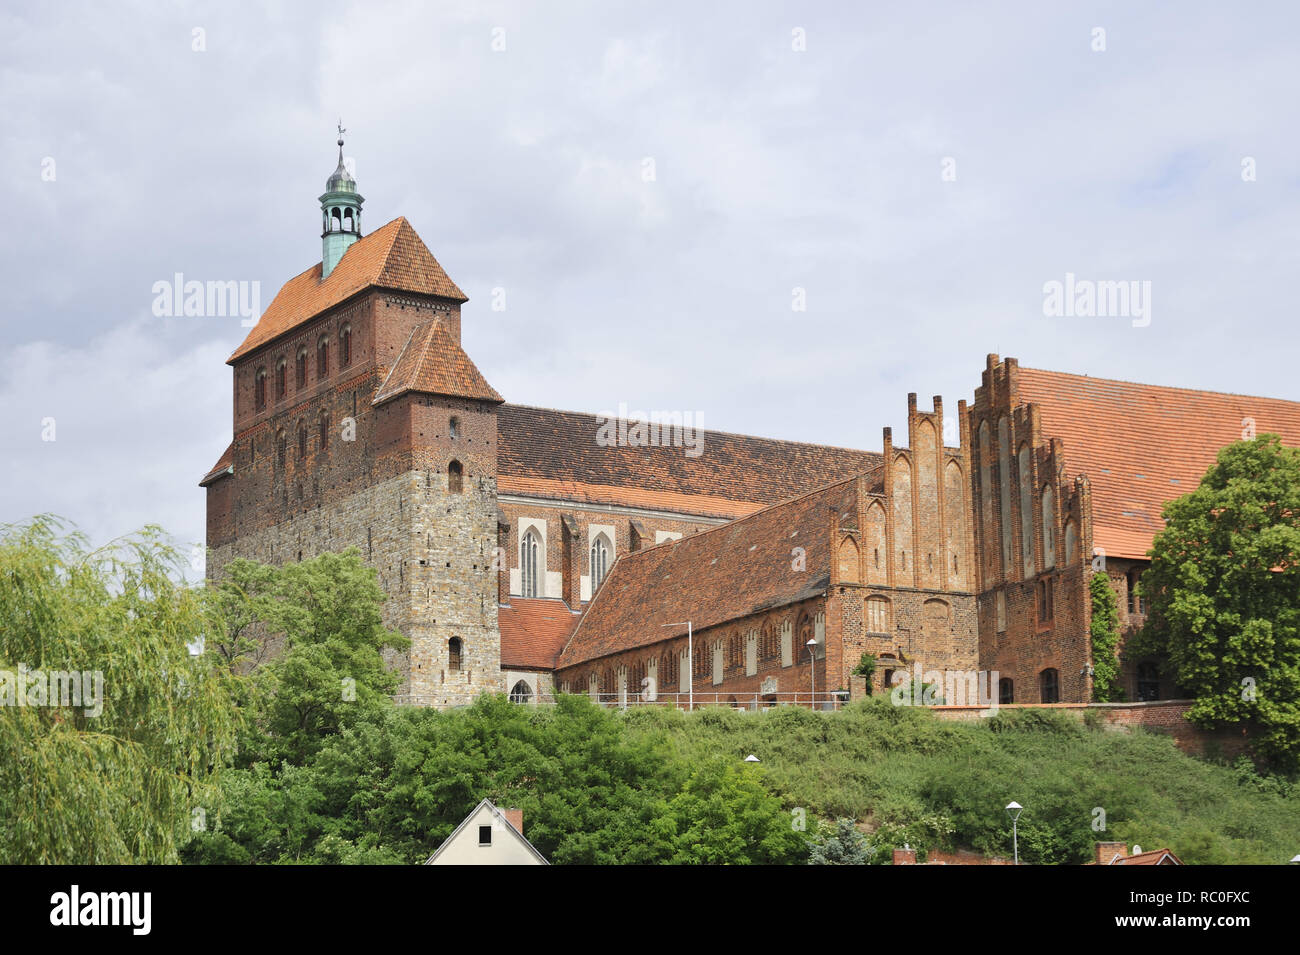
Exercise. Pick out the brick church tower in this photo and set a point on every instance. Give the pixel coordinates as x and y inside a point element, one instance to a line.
<point>360,421</point>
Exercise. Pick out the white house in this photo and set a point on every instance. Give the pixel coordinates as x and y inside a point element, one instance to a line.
<point>488,836</point>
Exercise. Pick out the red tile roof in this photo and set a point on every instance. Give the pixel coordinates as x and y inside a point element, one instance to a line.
<point>390,257</point>
<point>554,453</point>
<point>720,574</point>
<point>432,362</point>
<point>691,504</point>
<point>533,632</point>
<point>1119,856</point>
<point>224,464</point>
<point>1142,445</point>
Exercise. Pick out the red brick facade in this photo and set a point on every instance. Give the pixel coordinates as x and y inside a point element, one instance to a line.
<point>358,420</point>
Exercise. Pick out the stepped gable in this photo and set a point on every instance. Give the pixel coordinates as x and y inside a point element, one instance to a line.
<point>551,453</point>
<point>718,575</point>
<point>1141,445</point>
<point>391,257</point>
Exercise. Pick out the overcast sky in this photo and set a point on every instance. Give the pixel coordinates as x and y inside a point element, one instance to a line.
<point>919,170</point>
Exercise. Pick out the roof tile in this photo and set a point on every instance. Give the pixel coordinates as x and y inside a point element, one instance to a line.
<point>1142,445</point>
<point>392,256</point>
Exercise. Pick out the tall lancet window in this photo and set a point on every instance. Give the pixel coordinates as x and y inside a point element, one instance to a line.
<point>599,561</point>
<point>528,565</point>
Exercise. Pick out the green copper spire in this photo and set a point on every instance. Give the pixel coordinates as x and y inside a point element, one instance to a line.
<point>340,214</point>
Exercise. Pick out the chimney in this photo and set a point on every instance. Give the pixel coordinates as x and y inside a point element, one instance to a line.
<point>503,548</point>
<point>516,818</point>
<point>1107,852</point>
<point>905,855</point>
<point>571,562</point>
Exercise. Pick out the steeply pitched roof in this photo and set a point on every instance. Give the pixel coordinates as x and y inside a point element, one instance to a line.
<point>1142,445</point>
<point>555,454</point>
<point>499,815</point>
<point>432,362</point>
<point>392,256</point>
<point>534,631</point>
<point>717,575</point>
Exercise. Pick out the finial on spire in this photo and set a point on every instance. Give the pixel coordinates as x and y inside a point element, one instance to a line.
<point>341,132</point>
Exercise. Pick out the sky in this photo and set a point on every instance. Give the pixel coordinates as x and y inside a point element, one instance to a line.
<point>780,217</point>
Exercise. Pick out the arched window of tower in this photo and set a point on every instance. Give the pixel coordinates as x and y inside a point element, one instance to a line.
<point>453,655</point>
<point>455,477</point>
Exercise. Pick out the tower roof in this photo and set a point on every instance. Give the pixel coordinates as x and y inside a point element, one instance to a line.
<point>432,362</point>
<point>341,180</point>
<point>392,257</point>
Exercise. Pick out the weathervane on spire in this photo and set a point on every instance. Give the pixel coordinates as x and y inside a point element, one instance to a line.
<point>341,132</point>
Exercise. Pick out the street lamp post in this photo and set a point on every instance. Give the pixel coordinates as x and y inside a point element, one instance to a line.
<point>812,668</point>
<point>690,656</point>
<point>1014,809</point>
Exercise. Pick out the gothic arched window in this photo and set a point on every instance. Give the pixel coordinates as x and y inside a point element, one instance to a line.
<point>455,477</point>
<point>345,346</point>
<point>281,376</point>
<point>324,431</point>
<point>599,561</point>
<point>302,440</point>
<point>453,654</point>
<point>322,358</point>
<point>259,389</point>
<point>528,565</point>
<point>520,693</point>
<point>301,367</point>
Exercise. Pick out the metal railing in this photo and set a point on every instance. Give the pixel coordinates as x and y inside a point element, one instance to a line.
<point>751,702</point>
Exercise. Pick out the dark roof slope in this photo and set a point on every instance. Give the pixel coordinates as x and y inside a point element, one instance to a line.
<point>554,452</point>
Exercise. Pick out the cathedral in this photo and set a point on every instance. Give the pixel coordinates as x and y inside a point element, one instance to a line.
<point>525,552</point>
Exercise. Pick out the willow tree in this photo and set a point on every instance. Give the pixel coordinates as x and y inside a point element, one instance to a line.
<point>1223,595</point>
<point>113,719</point>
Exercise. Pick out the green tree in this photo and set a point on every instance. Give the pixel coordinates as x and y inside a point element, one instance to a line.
<point>1223,595</point>
<point>1105,641</point>
<point>840,844</point>
<point>724,816</point>
<point>323,617</point>
<point>120,781</point>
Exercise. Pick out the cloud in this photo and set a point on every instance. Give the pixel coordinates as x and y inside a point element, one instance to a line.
<point>520,163</point>
<point>134,422</point>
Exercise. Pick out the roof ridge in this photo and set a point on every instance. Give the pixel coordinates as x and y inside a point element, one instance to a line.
<point>729,434</point>
<point>744,517</point>
<point>1147,384</point>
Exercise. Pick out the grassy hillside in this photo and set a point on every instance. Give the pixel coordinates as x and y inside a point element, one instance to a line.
<point>939,784</point>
